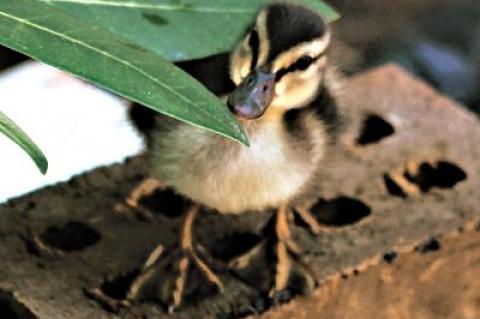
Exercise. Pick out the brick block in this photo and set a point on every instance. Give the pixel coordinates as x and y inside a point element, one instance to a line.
<point>405,170</point>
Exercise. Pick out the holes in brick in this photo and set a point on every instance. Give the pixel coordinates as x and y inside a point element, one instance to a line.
<point>234,245</point>
<point>165,202</point>
<point>374,129</point>
<point>428,246</point>
<point>392,187</point>
<point>340,211</point>
<point>118,287</point>
<point>10,308</point>
<point>73,236</point>
<point>31,205</point>
<point>442,175</point>
<point>390,257</point>
<point>111,295</point>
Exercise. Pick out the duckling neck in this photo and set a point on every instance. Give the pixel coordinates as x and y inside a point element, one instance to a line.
<point>274,114</point>
<point>273,117</point>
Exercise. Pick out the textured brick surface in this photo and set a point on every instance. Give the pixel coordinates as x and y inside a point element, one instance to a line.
<point>429,162</point>
<point>439,284</point>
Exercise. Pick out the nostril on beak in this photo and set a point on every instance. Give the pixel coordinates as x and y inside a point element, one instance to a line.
<point>249,81</point>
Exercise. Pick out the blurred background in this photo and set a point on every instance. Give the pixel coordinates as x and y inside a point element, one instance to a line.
<point>438,40</point>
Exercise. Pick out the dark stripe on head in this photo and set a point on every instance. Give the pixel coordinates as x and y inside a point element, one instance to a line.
<point>289,25</point>
<point>254,44</point>
<point>301,64</point>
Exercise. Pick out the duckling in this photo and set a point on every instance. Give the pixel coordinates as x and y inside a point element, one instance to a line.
<point>284,97</point>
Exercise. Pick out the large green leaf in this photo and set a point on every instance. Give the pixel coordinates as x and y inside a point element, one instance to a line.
<point>11,130</point>
<point>177,29</point>
<point>92,53</point>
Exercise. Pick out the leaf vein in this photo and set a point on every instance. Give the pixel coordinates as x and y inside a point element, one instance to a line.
<point>165,7</point>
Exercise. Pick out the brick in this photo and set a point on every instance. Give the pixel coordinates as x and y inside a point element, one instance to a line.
<point>429,164</point>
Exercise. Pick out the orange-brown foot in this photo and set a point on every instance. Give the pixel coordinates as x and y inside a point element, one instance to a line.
<point>146,273</point>
<point>287,254</point>
<point>174,282</point>
<point>132,203</point>
<point>307,217</point>
<point>286,251</point>
<point>188,261</point>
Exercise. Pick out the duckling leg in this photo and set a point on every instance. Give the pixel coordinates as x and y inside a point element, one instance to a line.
<point>306,215</point>
<point>132,203</point>
<point>285,249</point>
<point>284,245</point>
<point>191,258</point>
<point>147,271</point>
<point>145,188</point>
<point>187,260</point>
<point>183,263</point>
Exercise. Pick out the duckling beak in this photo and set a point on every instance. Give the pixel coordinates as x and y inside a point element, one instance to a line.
<point>252,97</point>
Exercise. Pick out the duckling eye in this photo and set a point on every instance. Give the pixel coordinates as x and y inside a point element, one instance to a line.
<point>304,62</point>
<point>300,65</point>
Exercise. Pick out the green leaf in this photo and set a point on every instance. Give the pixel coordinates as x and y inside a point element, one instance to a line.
<point>92,53</point>
<point>11,130</point>
<point>177,29</point>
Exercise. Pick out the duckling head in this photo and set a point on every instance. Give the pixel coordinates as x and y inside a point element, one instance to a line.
<point>280,63</point>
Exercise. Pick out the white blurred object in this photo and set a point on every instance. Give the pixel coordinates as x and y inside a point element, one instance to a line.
<point>77,126</point>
